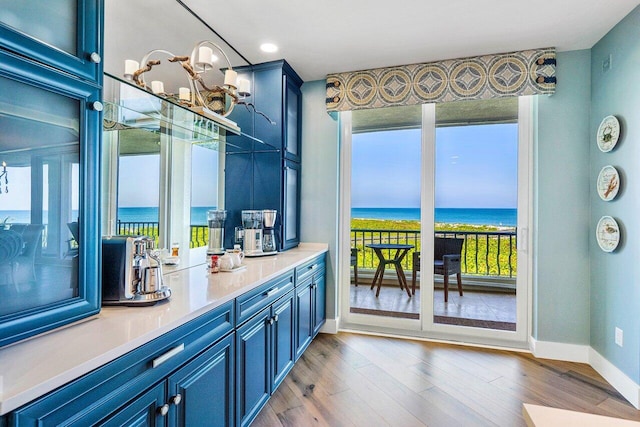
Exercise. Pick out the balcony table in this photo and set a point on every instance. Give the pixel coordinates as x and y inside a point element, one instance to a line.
<point>396,261</point>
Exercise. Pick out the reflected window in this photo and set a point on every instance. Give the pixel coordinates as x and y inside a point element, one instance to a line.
<point>204,191</point>
<point>39,148</point>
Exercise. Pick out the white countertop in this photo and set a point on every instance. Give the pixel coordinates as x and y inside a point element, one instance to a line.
<point>32,368</point>
<point>542,416</point>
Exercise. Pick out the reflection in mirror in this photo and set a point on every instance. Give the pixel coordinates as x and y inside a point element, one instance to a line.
<point>160,168</point>
<point>132,30</point>
<point>39,197</point>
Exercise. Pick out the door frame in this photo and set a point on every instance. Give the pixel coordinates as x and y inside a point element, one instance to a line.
<point>425,327</point>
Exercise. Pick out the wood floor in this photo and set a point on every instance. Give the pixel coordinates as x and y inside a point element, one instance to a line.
<point>359,380</point>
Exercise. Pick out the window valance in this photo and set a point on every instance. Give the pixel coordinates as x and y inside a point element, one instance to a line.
<point>529,72</point>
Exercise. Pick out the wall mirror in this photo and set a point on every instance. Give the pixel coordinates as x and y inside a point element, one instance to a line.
<point>162,166</point>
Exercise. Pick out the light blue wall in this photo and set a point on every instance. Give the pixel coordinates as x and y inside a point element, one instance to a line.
<point>320,172</point>
<point>615,287</point>
<point>561,206</point>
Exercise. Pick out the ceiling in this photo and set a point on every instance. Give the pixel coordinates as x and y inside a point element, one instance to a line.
<point>328,36</point>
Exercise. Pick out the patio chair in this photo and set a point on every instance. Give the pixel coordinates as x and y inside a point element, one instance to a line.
<point>354,264</point>
<point>447,253</point>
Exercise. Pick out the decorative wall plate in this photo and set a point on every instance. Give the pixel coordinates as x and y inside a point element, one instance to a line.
<point>608,183</point>
<point>607,234</point>
<point>608,134</point>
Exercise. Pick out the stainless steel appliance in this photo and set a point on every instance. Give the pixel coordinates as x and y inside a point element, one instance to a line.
<point>252,233</point>
<point>216,219</point>
<point>131,272</point>
<point>269,244</point>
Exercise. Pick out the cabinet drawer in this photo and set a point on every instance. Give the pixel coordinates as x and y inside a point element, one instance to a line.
<point>309,268</point>
<point>252,302</point>
<point>96,395</point>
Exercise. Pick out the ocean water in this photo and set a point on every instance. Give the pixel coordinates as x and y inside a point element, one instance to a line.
<point>150,214</point>
<point>496,217</point>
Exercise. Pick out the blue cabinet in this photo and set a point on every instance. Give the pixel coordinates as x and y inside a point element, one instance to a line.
<point>266,353</point>
<point>310,302</point>
<point>65,34</point>
<point>195,361</point>
<point>50,93</point>
<point>267,175</point>
<point>202,392</point>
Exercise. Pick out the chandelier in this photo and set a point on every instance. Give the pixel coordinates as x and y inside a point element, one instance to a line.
<point>201,96</point>
<point>4,175</point>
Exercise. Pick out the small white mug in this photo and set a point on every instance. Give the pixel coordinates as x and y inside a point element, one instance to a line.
<point>237,258</point>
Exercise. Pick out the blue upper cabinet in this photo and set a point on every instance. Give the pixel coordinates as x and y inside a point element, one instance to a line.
<point>50,132</point>
<point>65,34</point>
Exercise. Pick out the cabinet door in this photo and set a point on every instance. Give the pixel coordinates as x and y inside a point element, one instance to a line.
<point>201,392</point>
<point>142,411</point>
<point>304,317</point>
<point>283,338</point>
<point>66,34</point>
<point>292,134</point>
<point>253,361</point>
<point>319,301</point>
<point>268,99</point>
<point>291,205</point>
<point>50,132</point>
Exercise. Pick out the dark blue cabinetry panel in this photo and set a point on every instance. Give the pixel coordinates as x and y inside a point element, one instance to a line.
<point>64,34</point>
<point>268,174</point>
<point>205,388</point>
<point>304,304</point>
<point>283,339</point>
<point>141,412</point>
<point>252,366</point>
<point>49,120</point>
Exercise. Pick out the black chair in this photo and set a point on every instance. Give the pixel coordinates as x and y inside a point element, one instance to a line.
<point>354,264</point>
<point>447,254</point>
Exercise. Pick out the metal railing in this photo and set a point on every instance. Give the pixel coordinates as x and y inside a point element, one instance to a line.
<point>484,253</point>
<point>199,233</point>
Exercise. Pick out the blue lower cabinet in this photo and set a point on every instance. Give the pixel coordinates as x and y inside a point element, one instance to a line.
<point>265,355</point>
<point>311,297</point>
<point>304,304</point>
<point>142,411</point>
<point>201,393</point>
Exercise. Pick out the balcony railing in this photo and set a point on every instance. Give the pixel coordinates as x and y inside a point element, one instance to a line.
<point>484,253</point>
<point>199,233</point>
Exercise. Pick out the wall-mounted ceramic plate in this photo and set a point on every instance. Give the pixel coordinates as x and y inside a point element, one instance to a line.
<point>608,234</point>
<point>608,183</point>
<point>608,134</point>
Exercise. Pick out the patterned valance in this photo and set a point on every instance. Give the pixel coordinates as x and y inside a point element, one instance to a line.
<point>529,72</point>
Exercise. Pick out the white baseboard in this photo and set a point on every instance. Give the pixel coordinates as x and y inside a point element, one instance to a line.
<point>559,351</point>
<point>628,388</point>
<point>614,376</point>
<point>330,326</point>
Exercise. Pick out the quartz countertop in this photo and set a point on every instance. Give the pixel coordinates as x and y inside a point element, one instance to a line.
<point>36,366</point>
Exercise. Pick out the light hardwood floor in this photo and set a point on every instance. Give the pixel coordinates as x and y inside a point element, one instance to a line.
<point>359,380</point>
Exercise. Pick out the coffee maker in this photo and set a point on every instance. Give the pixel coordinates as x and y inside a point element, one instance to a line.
<point>131,272</point>
<point>269,244</point>
<point>252,233</point>
<point>216,219</point>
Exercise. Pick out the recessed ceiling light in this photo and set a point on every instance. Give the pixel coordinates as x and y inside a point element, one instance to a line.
<point>268,47</point>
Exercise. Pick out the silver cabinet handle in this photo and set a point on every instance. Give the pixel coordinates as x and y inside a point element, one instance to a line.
<point>168,355</point>
<point>175,400</point>
<point>275,318</point>
<point>270,321</point>
<point>272,292</point>
<point>95,57</point>
<point>163,410</point>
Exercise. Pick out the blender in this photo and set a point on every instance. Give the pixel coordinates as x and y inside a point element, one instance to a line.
<point>216,220</point>
<point>269,244</point>
<point>252,239</point>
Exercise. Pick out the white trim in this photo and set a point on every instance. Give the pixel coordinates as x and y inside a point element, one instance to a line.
<point>344,216</point>
<point>559,351</point>
<point>628,388</point>
<point>331,326</point>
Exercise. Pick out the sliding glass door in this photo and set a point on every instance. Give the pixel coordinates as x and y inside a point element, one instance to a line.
<point>440,200</point>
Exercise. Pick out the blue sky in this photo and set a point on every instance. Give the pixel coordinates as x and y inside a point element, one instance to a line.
<point>476,166</point>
